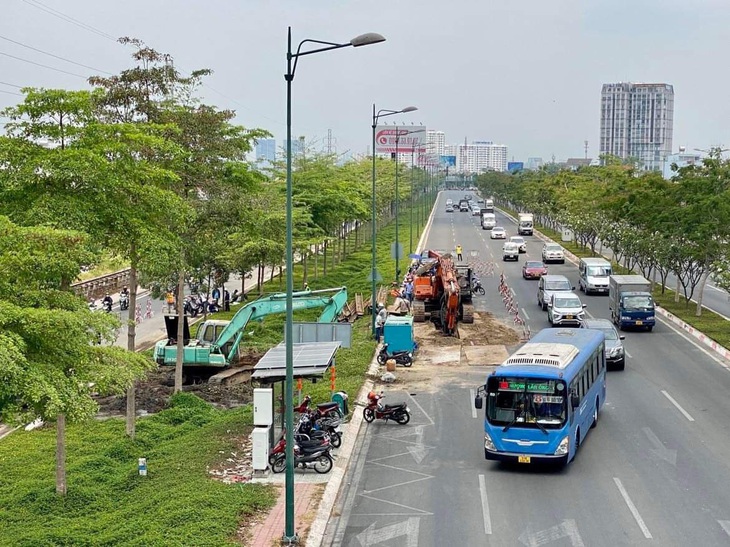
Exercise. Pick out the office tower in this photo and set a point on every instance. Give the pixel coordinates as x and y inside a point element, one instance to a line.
<point>481,156</point>
<point>637,122</point>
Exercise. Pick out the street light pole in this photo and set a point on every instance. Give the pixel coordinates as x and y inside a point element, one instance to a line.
<point>377,114</point>
<point>290,537</point>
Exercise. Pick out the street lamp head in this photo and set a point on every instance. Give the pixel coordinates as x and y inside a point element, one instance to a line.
<point>367,39</point>
<point>410,109</point>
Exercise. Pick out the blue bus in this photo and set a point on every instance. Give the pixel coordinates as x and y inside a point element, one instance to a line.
<point>544,398</point>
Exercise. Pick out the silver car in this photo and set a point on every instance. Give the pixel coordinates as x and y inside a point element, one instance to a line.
<point>565,309</point>
<point>552,252</point>
<point>615,354</point>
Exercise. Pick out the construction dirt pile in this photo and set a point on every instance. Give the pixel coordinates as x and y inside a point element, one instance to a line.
<point>154,392</point>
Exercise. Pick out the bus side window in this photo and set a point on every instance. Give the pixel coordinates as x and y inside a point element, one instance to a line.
<point>591,372</point>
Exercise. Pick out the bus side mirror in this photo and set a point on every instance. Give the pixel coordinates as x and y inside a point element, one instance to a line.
<point>574,400</point>
<point>478,403</point>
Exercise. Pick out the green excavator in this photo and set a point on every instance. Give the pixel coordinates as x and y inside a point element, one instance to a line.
<point>216,344</point>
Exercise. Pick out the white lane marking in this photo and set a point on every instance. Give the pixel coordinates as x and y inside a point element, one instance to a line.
<point>628,354</point>
<point>421,408</point>
<point>632,508</point>
<point>692,341</point>
<point>473,395</point>
<point>485,505</point>
<point>524,312</point>
<point>589,315</point>
<point>725,526</point>
<point>675,403</point>
<point>512,292</point>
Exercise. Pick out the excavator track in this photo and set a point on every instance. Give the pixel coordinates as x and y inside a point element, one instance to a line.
<point>418,309</point>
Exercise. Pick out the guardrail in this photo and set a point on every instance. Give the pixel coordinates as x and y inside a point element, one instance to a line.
<point>98,286</point>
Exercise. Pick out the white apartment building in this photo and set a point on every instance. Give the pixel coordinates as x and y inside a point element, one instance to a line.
<point>436,142</point>
<point>637,122</point>
<point>480,156</point>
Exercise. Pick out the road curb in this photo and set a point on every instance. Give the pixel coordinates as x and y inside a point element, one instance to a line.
<point>332,490</point>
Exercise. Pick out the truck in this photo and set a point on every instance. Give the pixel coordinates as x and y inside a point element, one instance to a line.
<point>524,224</point>
<point>489,205</point>
<point>630,302</point>
<point>464,205</point>
<point>215,346</point>
<point>489,221</point>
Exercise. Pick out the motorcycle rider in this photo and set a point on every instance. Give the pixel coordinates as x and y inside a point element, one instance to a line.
<point>124,298</point>
<point>107,302</point>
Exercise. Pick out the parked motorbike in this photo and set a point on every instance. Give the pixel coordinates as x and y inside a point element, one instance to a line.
<point>304,441</point>
<point>476,286</point>
<point>330,409</point>
<point>323,427</point>
<point>317,457</point>
<point>403,357</point>
<point>375,409</point>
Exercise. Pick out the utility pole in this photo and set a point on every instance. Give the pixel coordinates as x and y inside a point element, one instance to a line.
<point>585,144</point>
<point>329,142</point>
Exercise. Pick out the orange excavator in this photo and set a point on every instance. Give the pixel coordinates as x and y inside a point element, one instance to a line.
<point>442,293</point>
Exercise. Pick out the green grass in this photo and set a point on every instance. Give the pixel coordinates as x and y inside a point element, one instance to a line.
<point>178,503</point>
<point>107,265</point>
<point>108,503</point>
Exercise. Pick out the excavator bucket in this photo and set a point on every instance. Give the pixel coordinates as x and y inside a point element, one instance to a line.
<point>171,328</point>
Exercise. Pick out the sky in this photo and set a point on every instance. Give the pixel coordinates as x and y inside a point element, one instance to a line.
<point>524,73</point>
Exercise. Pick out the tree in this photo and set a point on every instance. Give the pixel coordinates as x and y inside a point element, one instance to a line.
<point>51,357</point>
<point>107,178</point>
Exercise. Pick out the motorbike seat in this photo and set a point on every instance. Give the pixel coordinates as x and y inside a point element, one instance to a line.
<point>328,406</point>
<point>397,405</point>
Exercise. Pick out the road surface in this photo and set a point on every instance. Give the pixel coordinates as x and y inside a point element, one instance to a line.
<point>653,472</point>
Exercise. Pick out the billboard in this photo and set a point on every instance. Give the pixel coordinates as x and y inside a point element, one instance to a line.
<point>515,166</point>
<point>406,137</point>
<point>448,161</point>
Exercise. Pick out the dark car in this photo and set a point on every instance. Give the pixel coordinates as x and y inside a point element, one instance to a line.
<point>534,269</point>
<point>615,355</point>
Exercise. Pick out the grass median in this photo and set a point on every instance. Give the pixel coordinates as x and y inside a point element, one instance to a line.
<point>178,502</point>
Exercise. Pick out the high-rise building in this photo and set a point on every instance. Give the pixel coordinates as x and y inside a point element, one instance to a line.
<point>480,156</point>
<point>533,164</point>
<point>297,147</point>
<point>637,122</point>
<point>266,150</point>
<point>436,142</point>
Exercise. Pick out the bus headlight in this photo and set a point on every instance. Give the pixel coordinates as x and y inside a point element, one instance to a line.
<point>488,444</point>
<point>563,447</point>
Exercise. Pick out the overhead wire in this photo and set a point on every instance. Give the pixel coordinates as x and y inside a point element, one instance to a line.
<point>69,19</point>
<point>53,55</point>
<point>12,85</point>
<point>42,65</point>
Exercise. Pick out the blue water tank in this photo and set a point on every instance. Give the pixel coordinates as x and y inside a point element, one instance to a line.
<point>398,333</point>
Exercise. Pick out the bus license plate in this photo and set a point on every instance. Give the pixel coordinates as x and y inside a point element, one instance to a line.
<point>523,459</point>
<point>639,322</point>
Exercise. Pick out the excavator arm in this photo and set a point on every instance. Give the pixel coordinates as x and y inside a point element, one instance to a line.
<point>276,303</point>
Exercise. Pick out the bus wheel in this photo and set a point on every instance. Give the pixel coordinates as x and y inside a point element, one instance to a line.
<point>595,415</point>
<point>577,444</point>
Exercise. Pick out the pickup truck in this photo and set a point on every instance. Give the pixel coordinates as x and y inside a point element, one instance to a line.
<point>630,302</point>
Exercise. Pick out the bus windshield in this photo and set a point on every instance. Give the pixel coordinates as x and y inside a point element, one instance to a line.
<point>526,402</point>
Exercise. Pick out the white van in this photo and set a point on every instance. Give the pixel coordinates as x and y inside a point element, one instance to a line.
<point>593,275</point>
<point>489,221</point>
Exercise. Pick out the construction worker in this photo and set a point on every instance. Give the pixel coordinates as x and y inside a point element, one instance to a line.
<point>380,321</point>
<point>170,301</point>
<point>458,253</point>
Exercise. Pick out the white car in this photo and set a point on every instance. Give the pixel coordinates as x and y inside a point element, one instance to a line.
<point>552,252</point>
<point>521,243</point>
<point>565,308</point>
<point>498,233</point>
<point>510,251</point>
